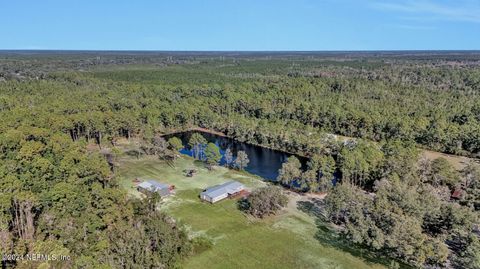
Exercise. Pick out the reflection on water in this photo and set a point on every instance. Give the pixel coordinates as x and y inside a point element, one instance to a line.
<point>263,162</point>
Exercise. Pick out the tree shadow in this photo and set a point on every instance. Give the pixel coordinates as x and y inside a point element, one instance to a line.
<point>314,208</point>
<point>134,153</point>
<point>199,164</point>
<point>331,236</point>
<point>243,205</point>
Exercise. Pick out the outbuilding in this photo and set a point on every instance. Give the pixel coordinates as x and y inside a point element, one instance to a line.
<point>222,191</point>
<point>154,186</point>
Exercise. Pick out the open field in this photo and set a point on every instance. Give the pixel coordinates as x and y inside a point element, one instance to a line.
<point>289,240</point>
<point>459,162</point>
<point>150,168</point>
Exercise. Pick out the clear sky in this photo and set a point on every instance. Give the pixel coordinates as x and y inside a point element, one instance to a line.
<point>240,24</point>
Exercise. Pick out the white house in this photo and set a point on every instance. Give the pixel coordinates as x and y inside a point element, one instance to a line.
<point>220,192</point>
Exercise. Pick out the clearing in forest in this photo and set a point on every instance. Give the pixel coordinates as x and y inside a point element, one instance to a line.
<point>292,239</point>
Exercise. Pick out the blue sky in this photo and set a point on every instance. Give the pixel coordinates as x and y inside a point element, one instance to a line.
<point>240,25</point>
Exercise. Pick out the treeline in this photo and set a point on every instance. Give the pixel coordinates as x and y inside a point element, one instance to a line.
<point>389,198</point>
<point>421,212</point>
<point>143,110</point>
<point>399,108</point>
<point>58,199</point>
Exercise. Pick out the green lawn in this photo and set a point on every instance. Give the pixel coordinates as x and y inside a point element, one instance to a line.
<point>284,241</point>
<point>150,168</point>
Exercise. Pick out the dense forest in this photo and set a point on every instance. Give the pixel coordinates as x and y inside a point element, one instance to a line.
<point>57,197</point>
<point>432,103</point>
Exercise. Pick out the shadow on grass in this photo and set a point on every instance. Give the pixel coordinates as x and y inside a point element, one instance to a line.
<point>134,153</point>
<point>243,205</point>
<point>199,164</point>
<point>328,235</point>
<point>314,208</point>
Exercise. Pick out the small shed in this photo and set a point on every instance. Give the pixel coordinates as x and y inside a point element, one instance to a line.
<point>222,191</point>
<point>154,186</point>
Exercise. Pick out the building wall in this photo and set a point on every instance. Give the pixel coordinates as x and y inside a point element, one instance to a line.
<point>222,196</point>
<point>206,198</point>
<point>164,192</point>
<point>142,190</point>
<point>213,199</point>
<point>218,198</point>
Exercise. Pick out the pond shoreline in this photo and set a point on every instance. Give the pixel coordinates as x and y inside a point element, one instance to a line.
<point>458,161</point>
<point>213,132</point>
<point>264,162</point>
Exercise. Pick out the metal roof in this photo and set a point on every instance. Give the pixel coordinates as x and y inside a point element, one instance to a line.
<point>225,188</point>
<point>153,185</point>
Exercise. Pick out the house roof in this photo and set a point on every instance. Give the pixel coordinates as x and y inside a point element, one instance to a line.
<point>226,188</point>
<point>153,185</point>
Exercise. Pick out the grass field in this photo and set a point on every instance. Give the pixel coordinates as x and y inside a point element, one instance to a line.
<point>289,240</point>
<point>459,162</point>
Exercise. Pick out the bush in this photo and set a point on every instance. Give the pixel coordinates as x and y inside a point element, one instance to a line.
<point>264,201</point>
<point>201,244</point>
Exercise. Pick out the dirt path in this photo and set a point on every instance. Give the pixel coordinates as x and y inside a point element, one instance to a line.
<point>294,198</point>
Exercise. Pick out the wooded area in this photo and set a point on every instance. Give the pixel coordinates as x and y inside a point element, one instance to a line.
<point>59,197</point>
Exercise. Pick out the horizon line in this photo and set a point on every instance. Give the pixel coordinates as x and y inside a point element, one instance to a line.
<point>243,51</point>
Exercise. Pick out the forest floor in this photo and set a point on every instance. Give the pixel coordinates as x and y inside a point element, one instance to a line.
<point>294,238</point>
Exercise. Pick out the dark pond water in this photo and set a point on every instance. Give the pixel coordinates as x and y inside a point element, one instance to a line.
<point>263,162</point>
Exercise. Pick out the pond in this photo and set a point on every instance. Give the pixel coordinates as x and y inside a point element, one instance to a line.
<point>264,162</point>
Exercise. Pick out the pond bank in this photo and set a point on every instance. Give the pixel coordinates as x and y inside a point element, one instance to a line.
<point>217,133</point>
<point>264,162</point>
<point>457,161</point>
